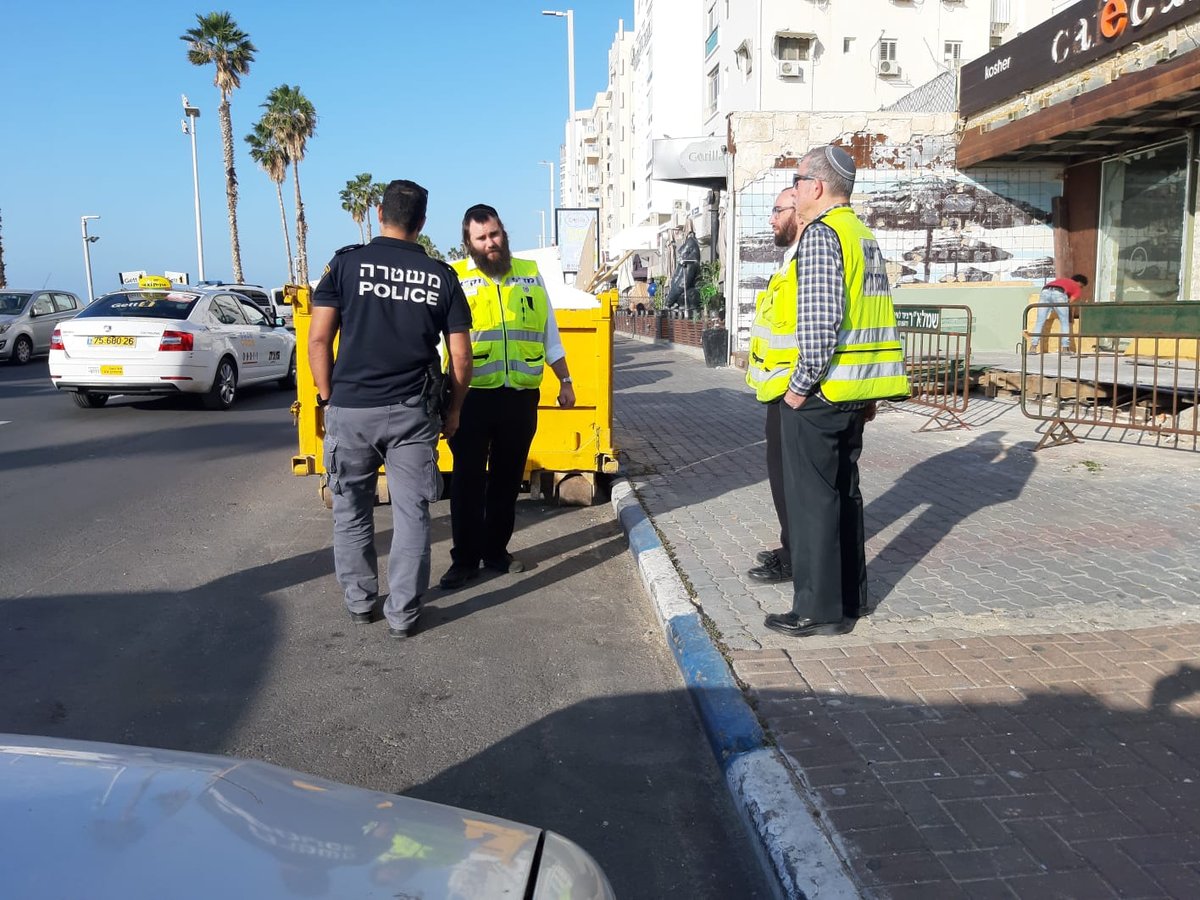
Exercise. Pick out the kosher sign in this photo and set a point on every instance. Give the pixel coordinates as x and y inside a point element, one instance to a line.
<point>1079,35</point>
<point>917,318</point>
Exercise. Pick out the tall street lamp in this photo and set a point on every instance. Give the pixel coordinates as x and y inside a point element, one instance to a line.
<point>191,114</point>
<point>87,254</point>
<point>569,15</point>
<point>550,212</point>
<point>542,238</point>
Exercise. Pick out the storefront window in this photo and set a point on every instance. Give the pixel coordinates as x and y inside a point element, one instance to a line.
<point>1142,214</point>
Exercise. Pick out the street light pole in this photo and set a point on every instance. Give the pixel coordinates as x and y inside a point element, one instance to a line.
<point>550,212</point>
<point>542,238</point>
<point>191,114</point>
<point>569,15</point>
<point>87,254</point>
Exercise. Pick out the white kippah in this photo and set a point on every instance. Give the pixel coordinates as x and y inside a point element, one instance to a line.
<point>841,161</point>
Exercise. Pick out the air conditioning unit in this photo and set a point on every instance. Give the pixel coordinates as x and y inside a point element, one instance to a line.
<point>789,68</point>
<point>888,68</point>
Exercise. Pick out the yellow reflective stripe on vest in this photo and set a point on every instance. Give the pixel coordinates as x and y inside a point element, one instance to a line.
<point>868,360</point>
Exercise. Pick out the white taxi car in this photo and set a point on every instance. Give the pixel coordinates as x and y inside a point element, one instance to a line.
<point>206,341</point>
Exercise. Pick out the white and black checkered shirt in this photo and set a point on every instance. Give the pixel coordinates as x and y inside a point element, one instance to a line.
<point>821,303</point>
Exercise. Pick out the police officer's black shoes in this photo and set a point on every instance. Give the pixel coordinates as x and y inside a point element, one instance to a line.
<point>507,563</point>
<point>458,575</point>
<point>771,571</point>
<point>795,626</point>
<point>762,557</point>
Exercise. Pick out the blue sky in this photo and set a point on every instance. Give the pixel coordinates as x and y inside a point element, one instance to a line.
<point>464,97</point>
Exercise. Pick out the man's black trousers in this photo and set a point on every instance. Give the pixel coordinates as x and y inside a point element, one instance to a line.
<point>490,448</point>
<point>775,473</point>
<point>821,446</point>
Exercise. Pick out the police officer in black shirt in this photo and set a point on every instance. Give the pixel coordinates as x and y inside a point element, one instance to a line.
<point>389,305</point>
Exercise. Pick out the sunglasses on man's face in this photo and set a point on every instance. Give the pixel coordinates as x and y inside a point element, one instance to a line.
<point>796,179</point>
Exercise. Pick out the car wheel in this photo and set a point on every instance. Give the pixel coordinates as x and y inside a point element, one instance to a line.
<point>224,387</point>
<point>288,381</point>
<point>22,351</point>
<point>88,400</point>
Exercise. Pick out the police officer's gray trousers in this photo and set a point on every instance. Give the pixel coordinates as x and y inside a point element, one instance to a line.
<point>403,439</point>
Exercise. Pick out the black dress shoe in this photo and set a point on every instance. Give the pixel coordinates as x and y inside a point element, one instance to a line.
<point>361,618</point>
<point>400,634</point>
<point>508,564</point>
<point>764,557</point>
<point>772,572</point>
<point>458,575</point>
<point>795,626</point>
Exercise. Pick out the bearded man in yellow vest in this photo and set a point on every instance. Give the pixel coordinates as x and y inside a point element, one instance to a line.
<point>850,356</point>
<point>773,355</point>
<point>513,338</point>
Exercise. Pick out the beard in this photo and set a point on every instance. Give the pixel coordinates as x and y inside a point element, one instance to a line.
<point>785,236</point>
<point>496,265</point>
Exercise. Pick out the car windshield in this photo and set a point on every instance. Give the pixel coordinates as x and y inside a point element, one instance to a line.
<point>11,304</point>
<point>142,305</point>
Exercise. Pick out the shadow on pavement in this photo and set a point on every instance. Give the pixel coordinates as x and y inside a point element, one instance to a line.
<point>947,488</point>
<point>1046,791</point>
<point>161,669</point>
<point>652,810</point>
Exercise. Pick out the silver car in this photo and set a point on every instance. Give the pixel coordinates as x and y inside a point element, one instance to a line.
<point>28,319</point>
<point>82,819</point>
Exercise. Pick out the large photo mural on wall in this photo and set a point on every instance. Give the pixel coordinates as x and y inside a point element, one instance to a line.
<point>934,224</point>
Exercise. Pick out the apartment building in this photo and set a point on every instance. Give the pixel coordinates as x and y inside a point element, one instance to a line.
<point>821,55</point>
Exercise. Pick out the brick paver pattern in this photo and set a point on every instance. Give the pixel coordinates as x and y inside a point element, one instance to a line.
<point>1019,715</point>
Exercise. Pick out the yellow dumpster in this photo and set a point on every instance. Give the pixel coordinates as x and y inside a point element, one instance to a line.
<point>572,446</point>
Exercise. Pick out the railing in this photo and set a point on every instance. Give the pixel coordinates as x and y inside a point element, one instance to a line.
<point>1133,366</point>
<point>672,325</point>
<point>937,358</point>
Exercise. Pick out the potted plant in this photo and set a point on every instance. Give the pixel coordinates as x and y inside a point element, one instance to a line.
<point>715,336</point>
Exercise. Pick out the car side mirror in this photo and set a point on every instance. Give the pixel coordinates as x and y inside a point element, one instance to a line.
<point>277,322</point>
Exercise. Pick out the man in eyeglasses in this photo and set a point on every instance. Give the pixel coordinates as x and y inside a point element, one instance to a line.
<point>513,338</point>
<point>849,357</point>
<point>773,355</point>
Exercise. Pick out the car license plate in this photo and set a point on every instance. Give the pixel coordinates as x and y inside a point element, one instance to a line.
<point>111,340</point>
<point>112,370</point>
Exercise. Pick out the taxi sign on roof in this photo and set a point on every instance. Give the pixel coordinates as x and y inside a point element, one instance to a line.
<point>154,282</point>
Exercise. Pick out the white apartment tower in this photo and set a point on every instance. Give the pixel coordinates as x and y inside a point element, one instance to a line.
<point>846,55</point>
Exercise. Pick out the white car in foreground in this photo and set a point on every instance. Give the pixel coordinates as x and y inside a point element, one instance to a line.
<point>200,341</point>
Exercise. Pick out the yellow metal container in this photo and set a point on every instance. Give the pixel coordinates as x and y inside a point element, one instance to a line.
<point>572,446</point>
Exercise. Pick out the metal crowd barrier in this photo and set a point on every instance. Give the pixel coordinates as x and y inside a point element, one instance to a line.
<point>937,358</point>
<point>1132,366</point>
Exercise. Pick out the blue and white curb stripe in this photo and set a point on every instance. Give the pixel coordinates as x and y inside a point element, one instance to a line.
<point>800,853</point>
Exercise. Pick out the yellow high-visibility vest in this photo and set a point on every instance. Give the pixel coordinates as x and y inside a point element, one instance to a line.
<point>868,361</point>
<point>508,325</point>
<point>774,350</point>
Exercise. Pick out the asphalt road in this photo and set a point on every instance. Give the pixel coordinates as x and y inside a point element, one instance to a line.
<point>167,582</point>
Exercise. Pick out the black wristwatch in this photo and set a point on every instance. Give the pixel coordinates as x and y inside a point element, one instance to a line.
<point>321,402</point>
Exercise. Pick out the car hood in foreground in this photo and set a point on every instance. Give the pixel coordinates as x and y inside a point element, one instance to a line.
<point>80,819</point>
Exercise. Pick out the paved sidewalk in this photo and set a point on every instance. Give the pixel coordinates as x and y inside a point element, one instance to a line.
<point>1018,717</point>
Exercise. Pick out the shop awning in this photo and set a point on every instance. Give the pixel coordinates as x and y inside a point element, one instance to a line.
<point>1138,109</point>
<point>698,162</point>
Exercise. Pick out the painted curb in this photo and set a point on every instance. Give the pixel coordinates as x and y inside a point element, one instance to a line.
<point>801,856</point>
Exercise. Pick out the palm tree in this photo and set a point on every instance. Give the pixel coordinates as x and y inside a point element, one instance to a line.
<point>217,39</point>
<point>356,200</point>
<point>374,198</point>
<point>273,159</point>
<point>292,119</point>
